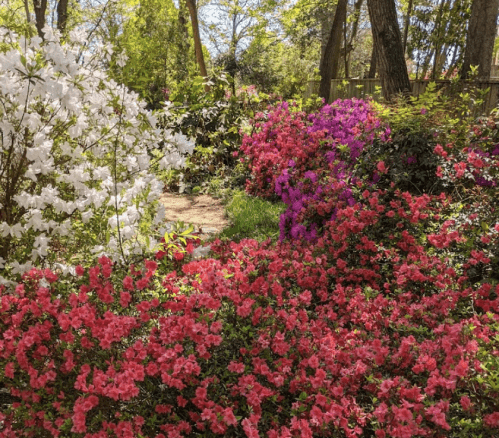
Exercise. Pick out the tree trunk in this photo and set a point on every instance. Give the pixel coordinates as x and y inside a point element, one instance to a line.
<point>480,38</point>
<point>372,66</point>
<point>26,9</point>
<point>426,64</point>
<point>439,39</point>
<point>406,25</point>
<point>355,27</point>
<point>330,61</point>
<point>191,5</point>
<point>390,53</point>
<point>40,7</point>
<point>62,15</point>
<point>347,73</point>
<point>183,43</point>
<point>453,64</point>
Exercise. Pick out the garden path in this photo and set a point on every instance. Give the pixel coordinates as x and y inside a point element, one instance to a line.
<point>206,213</point>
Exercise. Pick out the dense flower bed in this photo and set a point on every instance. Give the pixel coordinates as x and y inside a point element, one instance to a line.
<point>376,330</point>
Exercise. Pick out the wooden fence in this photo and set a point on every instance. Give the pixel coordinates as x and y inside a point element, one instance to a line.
<point>362,88</point>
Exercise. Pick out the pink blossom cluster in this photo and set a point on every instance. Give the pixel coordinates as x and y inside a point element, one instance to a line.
<point>282,137</point>
<point>371,331</point>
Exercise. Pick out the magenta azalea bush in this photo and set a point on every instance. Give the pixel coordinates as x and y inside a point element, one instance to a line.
<point>289,150</point>
<point>376,330</point>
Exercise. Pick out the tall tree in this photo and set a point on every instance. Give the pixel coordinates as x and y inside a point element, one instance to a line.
<point>389,50</point>
<point>349,46</point>
<point>437,35</point>
<point>40,7</point>
<point>62,15</point>
<point>330,60</point>
<point>406,24</point>
<point>198,47</point>
<point>372,65</point>
<point>480,38</point>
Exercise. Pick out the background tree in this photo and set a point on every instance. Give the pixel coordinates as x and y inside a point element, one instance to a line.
<point>352,25</point>
<point>480,38</point>
<point>389,50</point>
<point>14,15</point>
<point>155,40</point>
<point>331,57</point>
<point>62,15</point>
<point>40,8</point>
<point>198,47</point>
<point>436,36</point>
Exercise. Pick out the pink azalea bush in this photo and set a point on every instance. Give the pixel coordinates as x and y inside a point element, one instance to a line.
<point>281,137</point>
<point>378,329</point>
<point>289,149</point>
<point>287,138</point>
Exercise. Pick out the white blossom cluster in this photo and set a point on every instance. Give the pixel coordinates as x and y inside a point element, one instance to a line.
<point>75,149</point>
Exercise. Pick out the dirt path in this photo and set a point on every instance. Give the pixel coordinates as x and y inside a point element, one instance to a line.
<point>206,213</point>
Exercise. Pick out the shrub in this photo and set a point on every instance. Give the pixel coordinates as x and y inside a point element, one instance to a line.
<point>365,333</point>
<point>289,153</point>
<point>74,159</point>
<point>214,120</point>
<point>281,140</point>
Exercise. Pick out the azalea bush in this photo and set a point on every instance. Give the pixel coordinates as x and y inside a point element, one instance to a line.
<point>289,151</point>
<point>280,139</point>
<point>312,201</point>
<point>75,152</point>
<point>372,331</point>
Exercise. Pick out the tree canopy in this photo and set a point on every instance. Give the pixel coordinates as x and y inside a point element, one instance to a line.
<point>276,45</point>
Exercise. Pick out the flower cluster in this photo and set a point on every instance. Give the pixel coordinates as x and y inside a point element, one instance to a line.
<point>305,161</point>
<point>74,157</point>
<point>313,201</point>
<point>365,333</point>
<point>281,140</point>
<point>351,123</point>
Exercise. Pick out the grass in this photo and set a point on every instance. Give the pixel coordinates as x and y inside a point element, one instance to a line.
<point>251,217</point>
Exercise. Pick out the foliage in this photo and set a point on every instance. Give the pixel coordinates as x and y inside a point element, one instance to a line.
<point>425,125</point>
<point>74,161</point>
<point>13,17</point>
<point>436,28</point>
<point>277,67</point>
<point>214,120</point>
<point>252,217</point>
<point>160,59</point>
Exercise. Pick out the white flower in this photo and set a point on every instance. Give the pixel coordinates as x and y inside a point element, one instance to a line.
<point>86,216</point>
<point>66,126</point>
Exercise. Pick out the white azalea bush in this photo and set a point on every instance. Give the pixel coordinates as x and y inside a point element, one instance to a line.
<point>75,154</point>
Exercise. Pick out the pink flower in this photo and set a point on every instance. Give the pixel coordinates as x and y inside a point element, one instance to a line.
<point>465,402</point>
<point>492,420</point>
<point>236,367</point>
<point>381,167</point>
<point>128,283</point>
<point>9,370</point>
